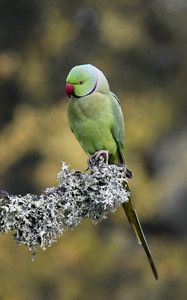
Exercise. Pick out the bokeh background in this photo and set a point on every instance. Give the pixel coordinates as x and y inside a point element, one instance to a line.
<point>141,46</point>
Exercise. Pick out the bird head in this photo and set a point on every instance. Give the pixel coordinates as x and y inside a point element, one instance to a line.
<point>83,80</point>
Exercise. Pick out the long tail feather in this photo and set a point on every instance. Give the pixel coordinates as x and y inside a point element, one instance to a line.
<point>136,226</point>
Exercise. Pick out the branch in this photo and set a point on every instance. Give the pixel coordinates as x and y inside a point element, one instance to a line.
<point>37,220</point>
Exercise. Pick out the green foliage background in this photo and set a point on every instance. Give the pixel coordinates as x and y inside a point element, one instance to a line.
<point>141,46</point>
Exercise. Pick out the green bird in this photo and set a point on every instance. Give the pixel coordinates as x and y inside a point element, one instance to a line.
<point>96,119</point>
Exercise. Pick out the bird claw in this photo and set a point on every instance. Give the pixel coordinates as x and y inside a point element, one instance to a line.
<point>99,158</point>
<point>128,173</point>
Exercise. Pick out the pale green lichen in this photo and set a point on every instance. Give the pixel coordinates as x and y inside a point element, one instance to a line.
<point>39,220</point>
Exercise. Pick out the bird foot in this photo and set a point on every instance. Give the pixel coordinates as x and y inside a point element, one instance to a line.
<point>99,158</point>
<point>4,195</point>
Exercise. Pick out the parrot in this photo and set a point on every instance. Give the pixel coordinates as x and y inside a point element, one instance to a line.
<point>96,119</point>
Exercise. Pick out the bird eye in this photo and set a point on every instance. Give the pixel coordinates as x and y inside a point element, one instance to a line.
<point>81,81</point>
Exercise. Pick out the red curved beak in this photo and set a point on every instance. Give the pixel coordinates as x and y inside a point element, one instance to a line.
<point>69,89</point>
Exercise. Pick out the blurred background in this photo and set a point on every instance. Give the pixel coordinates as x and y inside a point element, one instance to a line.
<point>141,46</point>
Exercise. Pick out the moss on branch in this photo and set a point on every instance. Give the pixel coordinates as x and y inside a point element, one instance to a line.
<point>37,220</point>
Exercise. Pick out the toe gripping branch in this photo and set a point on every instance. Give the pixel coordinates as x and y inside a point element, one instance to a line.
<point>101,158</point>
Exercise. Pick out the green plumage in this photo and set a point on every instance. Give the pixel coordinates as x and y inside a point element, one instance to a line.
<point>97,122</point>
<point>96,119</point>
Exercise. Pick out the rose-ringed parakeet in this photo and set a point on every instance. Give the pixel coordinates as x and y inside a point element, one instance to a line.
<point>96,119</point>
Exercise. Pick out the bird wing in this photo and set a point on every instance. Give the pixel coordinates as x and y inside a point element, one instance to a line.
<point>118,129</point>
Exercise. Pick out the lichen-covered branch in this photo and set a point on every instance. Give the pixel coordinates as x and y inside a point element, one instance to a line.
<point>37,220</point>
